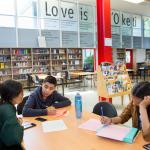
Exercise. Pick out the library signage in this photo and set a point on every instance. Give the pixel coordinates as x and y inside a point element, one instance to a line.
<point>67,11</point>
<point>67,16</point>
<point>125,19</point>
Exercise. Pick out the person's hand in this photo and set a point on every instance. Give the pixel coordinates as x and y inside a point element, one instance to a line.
<point>146,102</point>
<point>105,120</point>
<point>61,112</point>
<point>51,112</point>
<point>20,120</point>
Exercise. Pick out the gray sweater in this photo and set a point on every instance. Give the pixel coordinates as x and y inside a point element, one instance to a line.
<point>36,105</point>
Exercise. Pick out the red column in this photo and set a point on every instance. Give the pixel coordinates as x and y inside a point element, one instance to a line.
<point>104,31</point>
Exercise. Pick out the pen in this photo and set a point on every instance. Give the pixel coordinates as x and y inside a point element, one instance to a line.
<point>102,113</point>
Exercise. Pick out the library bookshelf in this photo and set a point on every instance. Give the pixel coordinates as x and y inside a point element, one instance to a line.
<point>16,63</point>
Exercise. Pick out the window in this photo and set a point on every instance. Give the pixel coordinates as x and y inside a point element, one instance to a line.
<point>7,7</point>
<point>27,8</point>
<point>7,21</point>
<point>27,23</point>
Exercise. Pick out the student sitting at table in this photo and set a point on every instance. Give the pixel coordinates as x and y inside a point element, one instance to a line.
<point>138,109</point>
<point>11,131</point>
<point>43,97</point>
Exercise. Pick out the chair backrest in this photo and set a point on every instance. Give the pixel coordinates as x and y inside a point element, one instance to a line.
<point>37,80</point>
<point>29,79</point>
<point>108,109</point>
<point>21,105</point>
<point>67,76</point>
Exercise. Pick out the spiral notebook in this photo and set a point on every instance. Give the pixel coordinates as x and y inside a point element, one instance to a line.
<point>118,132</point>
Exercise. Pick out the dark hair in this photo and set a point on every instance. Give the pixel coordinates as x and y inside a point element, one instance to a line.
<point>50,79</point>
<point>141,89</point>
<point>9,89</point>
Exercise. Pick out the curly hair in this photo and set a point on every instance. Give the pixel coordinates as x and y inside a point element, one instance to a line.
<point>9,89</point>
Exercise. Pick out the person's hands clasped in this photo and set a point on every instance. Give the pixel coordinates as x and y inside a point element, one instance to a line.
<point>105,120</point>
<point>146,102</point>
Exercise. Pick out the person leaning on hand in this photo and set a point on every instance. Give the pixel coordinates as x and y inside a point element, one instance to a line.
<point>44,97</point>
<point>138,109</point>
<point>11,131</point>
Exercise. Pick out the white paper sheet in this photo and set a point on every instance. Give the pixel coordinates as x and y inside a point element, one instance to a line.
<point>91,124</point>
<point>52,126</point>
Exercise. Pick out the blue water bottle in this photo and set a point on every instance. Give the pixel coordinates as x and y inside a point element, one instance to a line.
<point>78,105</point>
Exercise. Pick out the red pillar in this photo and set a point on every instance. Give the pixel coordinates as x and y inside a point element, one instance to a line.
<point>104,31</point>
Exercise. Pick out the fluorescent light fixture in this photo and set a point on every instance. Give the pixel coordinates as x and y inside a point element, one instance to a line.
<point>135,1</point>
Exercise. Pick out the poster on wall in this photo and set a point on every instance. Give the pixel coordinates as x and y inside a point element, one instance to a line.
<point>88,60</point>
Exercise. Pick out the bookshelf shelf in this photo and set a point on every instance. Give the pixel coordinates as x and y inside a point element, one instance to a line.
<point>5,64</point>
<point>21,60</point>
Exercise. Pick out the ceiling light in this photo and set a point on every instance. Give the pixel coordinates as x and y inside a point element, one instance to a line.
<point>135,1</point>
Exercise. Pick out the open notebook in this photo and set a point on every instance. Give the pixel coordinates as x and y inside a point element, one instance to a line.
<point>118,132</point>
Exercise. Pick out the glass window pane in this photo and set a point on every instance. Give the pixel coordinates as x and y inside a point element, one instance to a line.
<point>7,21</point>
<point>146,33</point>
<point>27,23</point>
<point>51,24</point>
<point>27,8</point>
<point>7,7</point>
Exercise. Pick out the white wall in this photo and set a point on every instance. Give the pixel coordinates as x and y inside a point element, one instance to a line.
<point>141,9</point>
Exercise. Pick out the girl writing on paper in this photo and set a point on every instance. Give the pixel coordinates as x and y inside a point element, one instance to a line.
<point>138,109</point>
